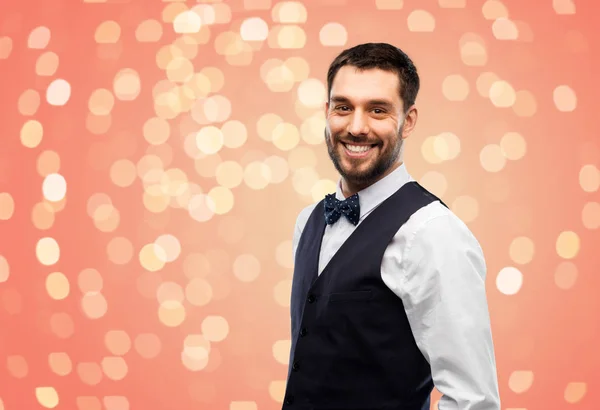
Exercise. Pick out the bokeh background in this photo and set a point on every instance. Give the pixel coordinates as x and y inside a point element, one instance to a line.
<point>154,157</point>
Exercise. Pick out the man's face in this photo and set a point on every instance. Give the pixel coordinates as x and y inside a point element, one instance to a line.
<point>364,127</point>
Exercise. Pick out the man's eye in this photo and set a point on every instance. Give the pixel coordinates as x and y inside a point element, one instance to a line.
<point>378,111</point>
<point>343,107</point>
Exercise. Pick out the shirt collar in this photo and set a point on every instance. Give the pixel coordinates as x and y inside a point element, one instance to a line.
<point>373,195</point>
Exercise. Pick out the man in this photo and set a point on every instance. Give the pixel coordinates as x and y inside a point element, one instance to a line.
<point>388,294</point>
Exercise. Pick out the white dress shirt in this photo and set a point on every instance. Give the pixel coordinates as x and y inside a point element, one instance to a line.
<point>437,268</point>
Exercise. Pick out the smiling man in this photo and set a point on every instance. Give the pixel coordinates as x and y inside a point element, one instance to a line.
<point>388,293</point>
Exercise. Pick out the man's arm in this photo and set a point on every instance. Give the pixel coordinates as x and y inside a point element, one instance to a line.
<point>443,291</point>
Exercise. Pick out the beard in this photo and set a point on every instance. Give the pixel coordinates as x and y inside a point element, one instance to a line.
<point>377,168</point>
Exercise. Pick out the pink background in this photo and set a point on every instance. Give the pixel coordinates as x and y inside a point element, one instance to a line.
<point>100,310</point>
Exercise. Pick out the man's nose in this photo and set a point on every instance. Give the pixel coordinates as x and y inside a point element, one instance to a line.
<point>359,124</point>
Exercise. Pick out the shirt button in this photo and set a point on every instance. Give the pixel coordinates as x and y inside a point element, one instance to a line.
<point>295,366</point>
<point>303,332</point>
<point>311,298</point>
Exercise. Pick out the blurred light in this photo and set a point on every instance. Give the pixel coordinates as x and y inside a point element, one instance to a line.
<point>47,397</point>
<point>47,64</point>
<point>278,167</point>
<point>282,293</point>
<point>222,199</point>
<point>170,248</point>
<point>209,140</point>
<point>505,29</point>
<point>466,208</point>
<point>4,269</point>
<point>520,381</point>
<point>108,32</point>
<point>564,6</point>
<point>575,391</point>
<point>421,21</point>
<point>54,187</point>
<point>333,35</point>
<point>321,188</point>
<point>119,250</point>
<point>148,345</point>
<point>455,88</point>
<point>389,4</point>
<point>277,390</point>
<point>312,93</point>
<point>187,22</point>
<point>198,292</point>
<point>565,275</point>
<point>565,98</point>
<point>283,255</point>
<point>485,82</point>
<point>62,325</point>
<point>304,179</point>
<point>513,146</point>
<point>435,182</point>
<point>94,305</point>
<point>281,351</point>
<point>246,267</point>
<point>149,31</point>
<point>116,403</point>
<point>525,104</point>
<point>39,38</point>
<point>243,405</point>
<point>473,50</point>
<point>115,368</point>
<point>285,136</point>
<point>257,175</point>
<point>502,94</point>
<point>492,158</point>
<point>58,92</point>
<point>29,102</point>
<point>234,134</point>
<point>90,280</point>
<point>90,373</point>
<point>7,206</point>
<point>494,9</point>
<point>57,286</point>
<point>509,280</point>
<point>453,4</point>
<point>521,250</point>
<point>201,207</point>
<point>590,215</point>
<point>289,12</point>
<point>17,366</point>
<point>47,251</point>
<point>215,328</point>
<point>287,37</point>
<point>6,46</point>
<point>127,84</point>
<point>171,313</point>
<point>254,29</point>
<point>48,162</point>
<point>117,342</point>
<point>589,178</point>
<point>60,363</point>
<point>32,133</point>
<point>266,125</point>
<point>567,245</point>
<point>123,173</point>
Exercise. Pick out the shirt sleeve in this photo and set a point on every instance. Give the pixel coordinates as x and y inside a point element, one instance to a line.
<point>443,292</point>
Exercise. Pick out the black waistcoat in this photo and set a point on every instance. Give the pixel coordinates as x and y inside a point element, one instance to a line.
<point>352,346</point>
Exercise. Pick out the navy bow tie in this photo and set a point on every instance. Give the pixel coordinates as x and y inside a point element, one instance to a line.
<point>334,208</point>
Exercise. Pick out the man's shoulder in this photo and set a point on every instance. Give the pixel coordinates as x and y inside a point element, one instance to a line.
<point>436,221</point>
<point>304,214</point>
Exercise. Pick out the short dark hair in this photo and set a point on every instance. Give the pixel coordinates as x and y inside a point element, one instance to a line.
<point>385,57</point>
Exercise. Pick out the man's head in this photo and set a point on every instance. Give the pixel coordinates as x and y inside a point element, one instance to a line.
<point>370,111</point>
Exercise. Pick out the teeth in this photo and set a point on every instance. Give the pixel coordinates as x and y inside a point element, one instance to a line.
<point>358,148</point>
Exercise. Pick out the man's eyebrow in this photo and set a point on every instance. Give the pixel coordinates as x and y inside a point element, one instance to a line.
<point>380,102</point>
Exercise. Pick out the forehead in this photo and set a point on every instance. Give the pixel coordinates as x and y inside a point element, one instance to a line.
<point>364,85</point>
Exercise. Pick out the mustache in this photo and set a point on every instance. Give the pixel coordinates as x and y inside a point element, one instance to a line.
<point>351,138</point>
